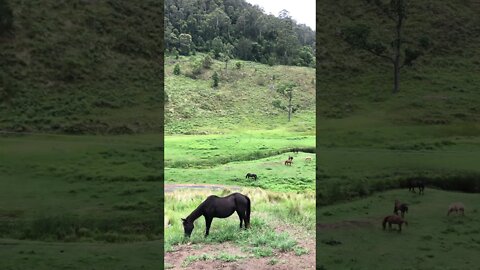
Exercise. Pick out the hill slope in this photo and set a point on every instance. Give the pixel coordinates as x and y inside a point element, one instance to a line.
<point>373,140</point>
<point>246,97</point>
<point>82,67</point>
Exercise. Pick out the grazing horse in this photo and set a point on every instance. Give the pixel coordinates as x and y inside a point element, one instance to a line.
<point>308,159</point>
<point>394,219</point>
<point>402,207</point>
<point>456,207</point>
<point>288,162</point>
<point>219,207</point>
<point>412,184</point>
<point>251,175</point>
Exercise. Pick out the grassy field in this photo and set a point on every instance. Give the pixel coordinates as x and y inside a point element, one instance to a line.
<point>69,201</point>
<point>217,136</point>
<point>283,198</point>
<point>430,241</point>
<point>282,225</point>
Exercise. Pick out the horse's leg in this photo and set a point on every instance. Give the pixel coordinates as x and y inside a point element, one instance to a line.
<point>208,222</point>
<point>399,227</point>
<point>241,218</point>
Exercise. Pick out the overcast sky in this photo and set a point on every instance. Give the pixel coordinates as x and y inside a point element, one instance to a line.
<point>303,11</point>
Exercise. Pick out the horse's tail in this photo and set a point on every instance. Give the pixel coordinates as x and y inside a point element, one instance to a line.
<point>384,222</point>
<point>247,216</point>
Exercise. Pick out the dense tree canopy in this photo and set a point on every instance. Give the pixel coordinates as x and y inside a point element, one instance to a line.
<point>218,25</point>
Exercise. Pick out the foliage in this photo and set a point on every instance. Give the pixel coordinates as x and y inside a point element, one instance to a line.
<point>176,69</point>
<point>215,79</point>
<point>185,44</point>
<point>251,34</point>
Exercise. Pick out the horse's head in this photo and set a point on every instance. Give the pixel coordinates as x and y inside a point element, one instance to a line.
<point>187,227</point>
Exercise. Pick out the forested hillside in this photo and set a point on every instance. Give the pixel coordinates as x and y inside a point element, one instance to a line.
<point>232,28</point>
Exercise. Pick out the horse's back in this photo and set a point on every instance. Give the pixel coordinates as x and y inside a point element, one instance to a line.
<point>456,205</point>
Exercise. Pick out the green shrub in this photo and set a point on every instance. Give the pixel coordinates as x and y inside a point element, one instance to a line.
<point>207,62</point>
<point>238,65</point>
<point>176,69</point>
<point>215,79</point>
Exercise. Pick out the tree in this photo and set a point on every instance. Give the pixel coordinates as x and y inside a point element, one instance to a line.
<point>185,44</point>
<point>359,36</point>
<point>286,90</point>
<point>217,47</point>
<point>6,17</point>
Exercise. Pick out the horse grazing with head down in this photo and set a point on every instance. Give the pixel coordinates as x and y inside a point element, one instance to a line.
<point>394,219</point>
<point>402,207</point>
<point>219,207</point>
<point>288,162</point>
<point>456,207</point>
<point>251,175</point>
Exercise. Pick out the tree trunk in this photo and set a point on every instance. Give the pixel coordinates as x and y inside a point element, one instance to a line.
<point>289,107</point>
<point>396,77</point>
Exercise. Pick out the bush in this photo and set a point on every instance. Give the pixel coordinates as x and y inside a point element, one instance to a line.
<point>197,68</point>
<point>207,62</point>
<point>238,65</point>
<point>176,69</point>
<point>215,79</point>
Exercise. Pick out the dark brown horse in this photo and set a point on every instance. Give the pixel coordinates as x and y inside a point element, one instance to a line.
<point>251,175</point>
<point>412,184</point>
<point>402,207</point>
<point>219,207</point>
<point>394,219</point>
<point>288,162</point>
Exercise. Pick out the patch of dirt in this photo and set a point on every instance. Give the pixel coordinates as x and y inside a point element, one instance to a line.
<point>279,260</point>
<point>345,224</point>
<point>282,260</point>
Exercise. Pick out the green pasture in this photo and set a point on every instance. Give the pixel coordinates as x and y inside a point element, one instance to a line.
<point>209,150</point>
<point>269,210</point>
<point>350,234</point>
<point>90,196</point>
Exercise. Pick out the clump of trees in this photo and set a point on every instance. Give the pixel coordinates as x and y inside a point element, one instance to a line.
<point>236,29</point>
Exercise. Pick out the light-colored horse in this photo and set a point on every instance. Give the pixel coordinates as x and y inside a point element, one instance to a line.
<point>456,207</point>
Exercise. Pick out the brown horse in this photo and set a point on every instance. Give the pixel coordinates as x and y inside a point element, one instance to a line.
<point>456,207</point>
<point>288,162</point>
<point>402,207</point>
<point>394,219</point>
<point>308,159</point>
